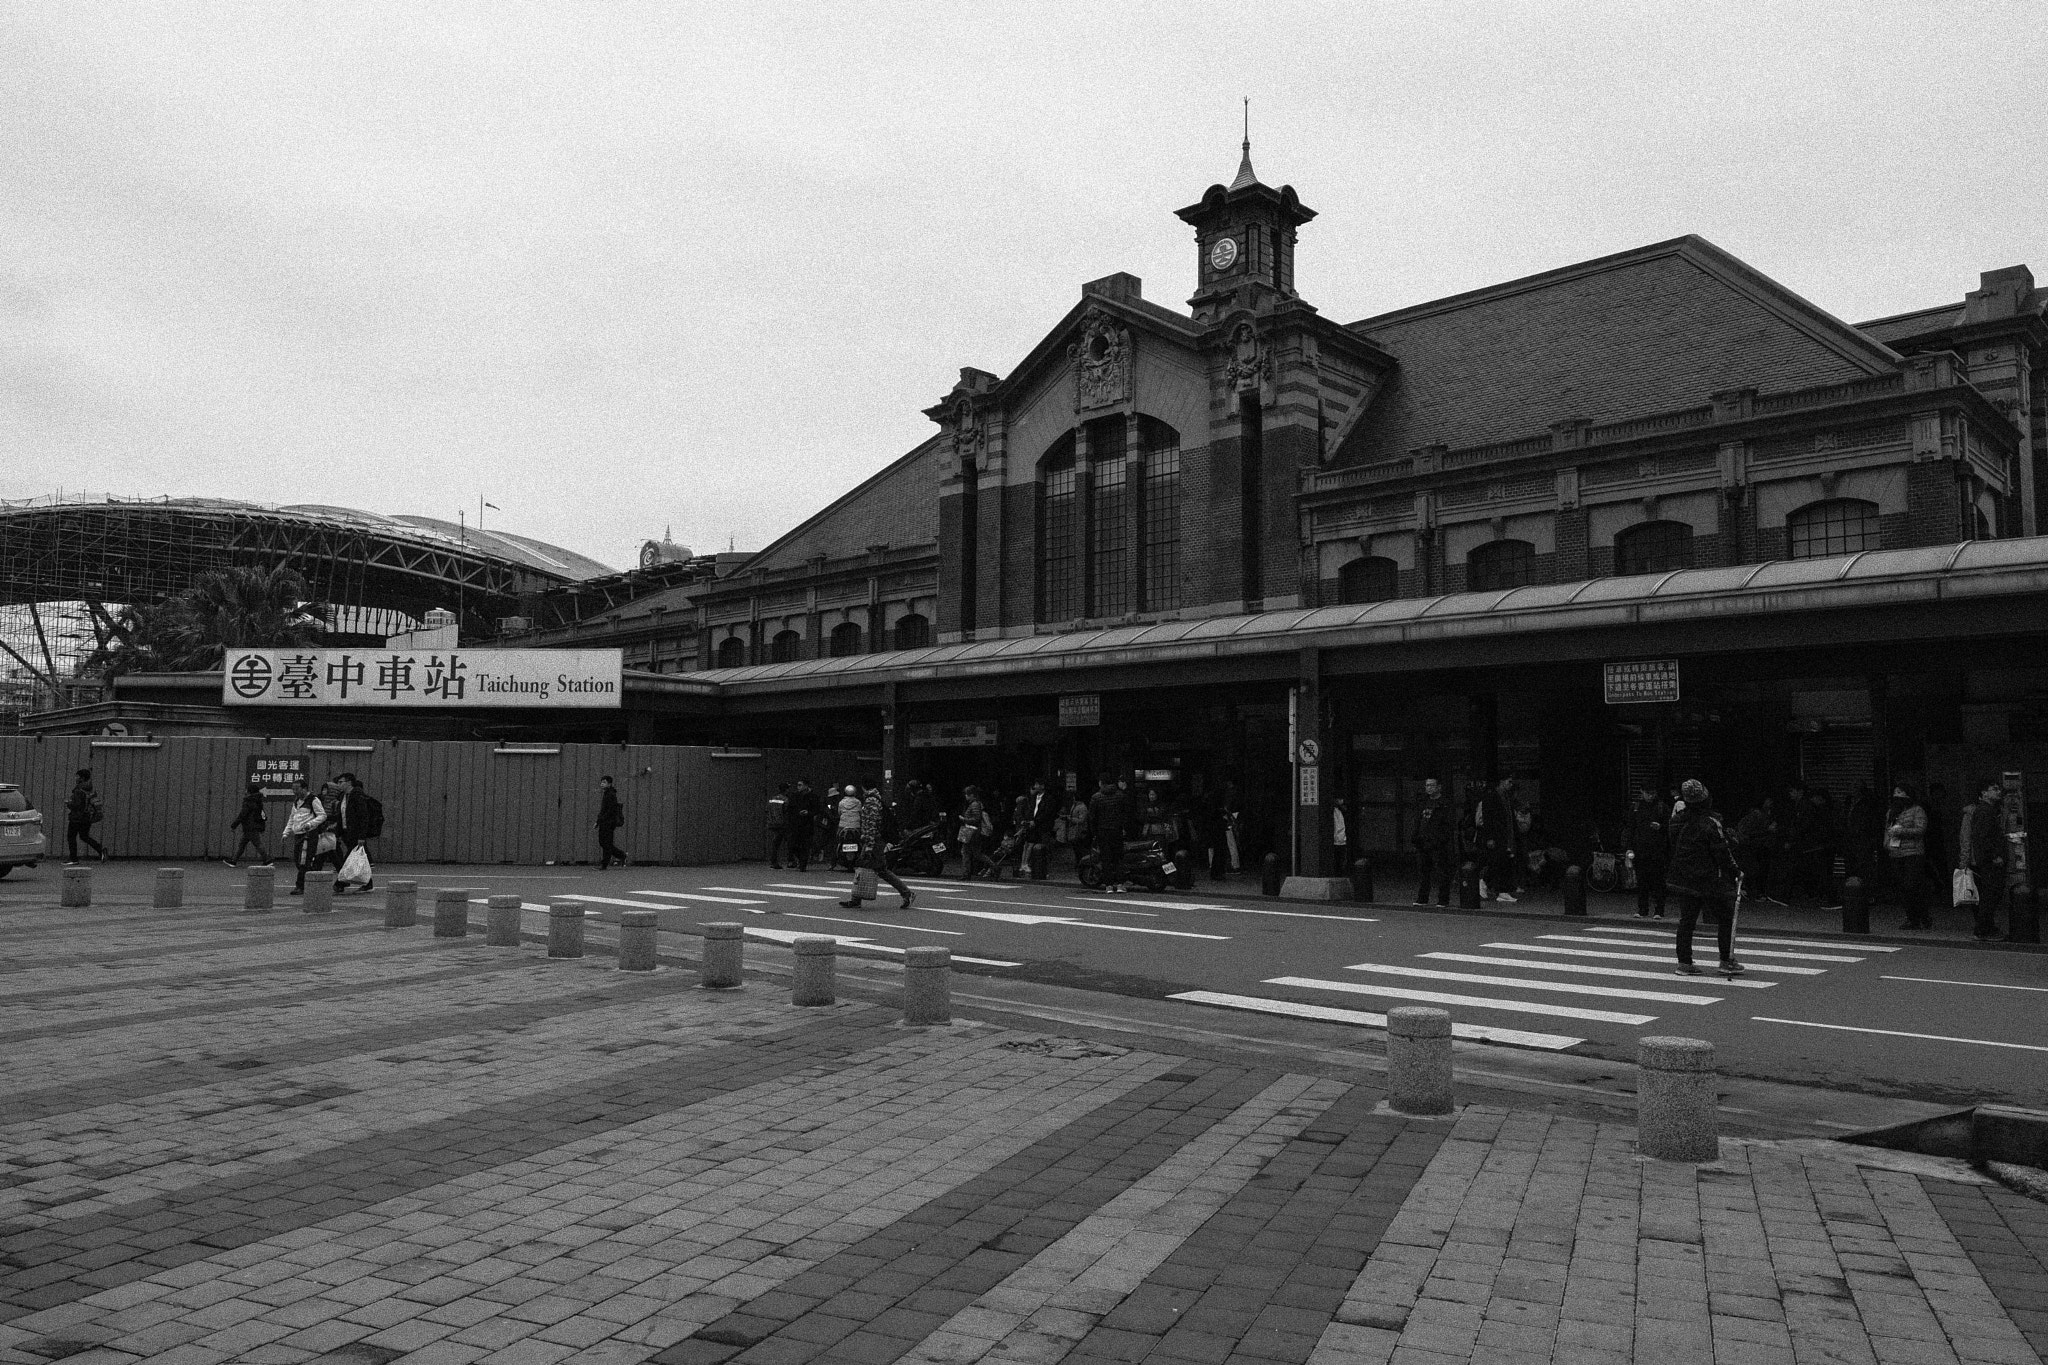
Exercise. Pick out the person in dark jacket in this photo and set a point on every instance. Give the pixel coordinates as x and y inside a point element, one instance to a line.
<point>1436,843</point>
<point>1982,849</point>
<point>1493,839</point>
<point>1701,871</point>
<point>1905,847</point>
<point>351,819</point>
<point>801,815</point>
<point>1109,821</point>
<point>1649,839</point>
<point>1041,810</point>
<point>252,820</point>
<point>778,826</point>
<point>82,811</point>
<point>610,815</point>
<point>1757,840</point>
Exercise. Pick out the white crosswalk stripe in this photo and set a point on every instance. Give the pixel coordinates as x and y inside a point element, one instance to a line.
<point>781,895</point>
<point>1478,1033</point>
<point>1631,943</point>
<point>1644,957</point>
<point>681,896</point>
<point>1522,983</point>
<point>1468,1001</point>
<point>1579,969</point>
<point>1744,938</point>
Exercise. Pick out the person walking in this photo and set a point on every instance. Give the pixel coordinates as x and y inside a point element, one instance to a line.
<point>303,827</point>
<point>82,810</point>
<point>878,828</point>
<point>801,815</point>
<point>848,827</point>
<point>1649,840</point>
<point>252,820</point>
<point>778,826</point>
<point>1436,843</point>
<point>1702,873</point>
<point>1905,846</point>
<point>1042,813</point>
<point>975,828</point>
<point>610,816</point>
<point>354,822</point>
<point>1980,850</point>
<point>1756,844</point>
<point>1493,840</point>
<point>1109,820</point>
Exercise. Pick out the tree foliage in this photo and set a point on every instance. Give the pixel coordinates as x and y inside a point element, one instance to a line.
<point>232,608</point>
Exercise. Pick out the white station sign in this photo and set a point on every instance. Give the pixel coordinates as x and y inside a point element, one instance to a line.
<point>552,679</point>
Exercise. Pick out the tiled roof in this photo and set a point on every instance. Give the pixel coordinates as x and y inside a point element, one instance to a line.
<point>1901,326</point>
<point>1652,330</point>
<point>898,507</point>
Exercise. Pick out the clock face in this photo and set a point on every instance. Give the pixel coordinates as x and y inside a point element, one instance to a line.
<point>1223,254</point>
<point>648,555</point>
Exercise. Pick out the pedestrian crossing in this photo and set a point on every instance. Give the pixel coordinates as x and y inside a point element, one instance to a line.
<point>1534,972</point>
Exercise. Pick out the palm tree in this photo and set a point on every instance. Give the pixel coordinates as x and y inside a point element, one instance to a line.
<point>233,608</point>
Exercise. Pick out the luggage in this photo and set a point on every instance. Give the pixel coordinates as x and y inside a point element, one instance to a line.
<point>1963,886</point>
<point>866,885</point>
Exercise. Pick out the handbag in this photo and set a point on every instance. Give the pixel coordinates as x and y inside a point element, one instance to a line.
<point>866,885</point>
<point>326,844</point>
<point>1962,884</point>
<point>356,869</point>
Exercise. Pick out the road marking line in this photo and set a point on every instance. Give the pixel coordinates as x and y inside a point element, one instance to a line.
<point>855,941</point>
<point>1475,1001</point>
<point>763,891</point>
<point>1743,938</point>
<point>1241,910</point>
<point>1520,983</point>
<point>1072,923</point>
<point>1645,957</point>
<point>959,899</point>
<point>1896,1033</point>
<point>1476,1032</point>
<point>906,928</point>
<point>1988,985</point>
<point>1754,952</point>
<point>1585,969</point>
<point>674,895</point>
<point>643,905</point>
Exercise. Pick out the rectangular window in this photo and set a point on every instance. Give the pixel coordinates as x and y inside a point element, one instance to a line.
<point>1162,529</point>
<point>1112,538</point>
<point>1062,541</point>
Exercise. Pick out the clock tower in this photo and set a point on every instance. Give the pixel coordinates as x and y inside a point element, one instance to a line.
<point>1244,240</point>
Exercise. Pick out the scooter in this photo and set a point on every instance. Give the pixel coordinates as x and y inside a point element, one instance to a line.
<point>920,852</point>
<point>1145,864</point>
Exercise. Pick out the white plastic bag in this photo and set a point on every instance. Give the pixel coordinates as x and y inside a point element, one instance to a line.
<point>355,870</point>
<point>1962,885</point>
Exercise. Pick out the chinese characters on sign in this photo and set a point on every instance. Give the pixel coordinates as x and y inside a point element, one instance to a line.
<point>276,775</point>
<point>953,734</point>
<point>1640,681</point>
<point>427,678</point>
<point>1081,710</point>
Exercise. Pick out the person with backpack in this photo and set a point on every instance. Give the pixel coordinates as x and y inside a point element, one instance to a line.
<point>975,829</point>
<point>302,827</point>
<point>252,821</point>
<point>878,829</point>
<point>1109,820</point>
<point>82,810</point>
<point>1702,873</point>
<point>610,816</point>
<point>357,816</point>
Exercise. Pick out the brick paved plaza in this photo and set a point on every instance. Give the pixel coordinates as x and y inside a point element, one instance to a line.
<point>275,1137</point>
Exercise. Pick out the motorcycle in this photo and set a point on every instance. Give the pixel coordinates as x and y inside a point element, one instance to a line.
<point>1146,864</point>
<point>920,851</point>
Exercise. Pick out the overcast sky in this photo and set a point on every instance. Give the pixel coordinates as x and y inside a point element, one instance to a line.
<point>618,266</point>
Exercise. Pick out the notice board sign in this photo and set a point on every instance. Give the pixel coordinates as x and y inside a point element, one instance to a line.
<point>953,734</point>
<point>468,679</point>
<point>1081,710</point>
<point>275,774</point>
<point>1641,680</point>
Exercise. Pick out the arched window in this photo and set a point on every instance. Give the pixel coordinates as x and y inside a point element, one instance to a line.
<point>1161,525</point>
<point>1982,525</point>
<point>1500,564</point>
<point>1059,535</point>
<point>732,652</point>
<point>1372,579</point>
<point>1109,525</point>
<point>786,647</point>
<point>913,632</point>
<point>1653,547</point>
<point>1840,526</point>
<point>844,640</point>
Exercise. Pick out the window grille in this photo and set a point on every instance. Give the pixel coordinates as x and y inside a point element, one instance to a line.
<point>844,640</point>
<point>1838,527</point>
<point>1653,547</point>
<point>732,652</point>
<point>1372,579</point>
<point>1499,565</point>
<point>1060,535</point>
<point>787,647</point>
<point>1162,526</point>
<point>913,632</point>
<point>1111,536</point>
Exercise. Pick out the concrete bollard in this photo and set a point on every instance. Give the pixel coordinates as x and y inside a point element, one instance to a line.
<point>1361,881</point>
<point>319,899</point>
<point>502,921</point>
<point>1269,875</point>
<point>1675,1099</point>
<point>1574,891</point>
<point>1855,906</point>
<point>1419,1060</point>
<point>1468,886</point>
<point>77,886</point>
<point>565,929</point>
<point>451,912</point>
<point>170,888</point>
<point>260,892</point>
<point>2023,915</point>
<point>401,905</point>
<point>724,946</point>
<point>816,960</point>
<point>928,986</point>
<point>636,941</point>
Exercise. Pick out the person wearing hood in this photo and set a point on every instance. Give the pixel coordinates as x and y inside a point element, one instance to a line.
<point>1702,874</point>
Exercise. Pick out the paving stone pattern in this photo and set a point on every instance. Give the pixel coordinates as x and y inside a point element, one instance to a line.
<point>273,1139</point>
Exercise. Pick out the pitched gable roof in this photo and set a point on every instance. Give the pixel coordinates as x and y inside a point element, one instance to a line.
<point>1656,329</point>
<point>898,507</point>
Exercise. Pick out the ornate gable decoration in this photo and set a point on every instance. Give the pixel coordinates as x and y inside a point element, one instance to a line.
<point>968,433</point>
<point>1251,363</point>
<point>1102,363</point>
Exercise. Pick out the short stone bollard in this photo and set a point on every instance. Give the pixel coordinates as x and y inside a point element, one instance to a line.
<point>77,886</point>
<point>1419,1060</point>
<point>260,892</point>
<point>2023,915</point>
<point>170,888</point>
<point>928,986</point>
<point>816,960</point>
<point>636,941</point>
<point>1855,906</point>
<point>1574,891</point>
<point>319,898</point>
<point>401,905</point>
<point>1361,881</point>
<point>451,912</point>
<point>1675,1099</point>
<point>501,921</point>
<point>724,946</point>
<point>565,929</point>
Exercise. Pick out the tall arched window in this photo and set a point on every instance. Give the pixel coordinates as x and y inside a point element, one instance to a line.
<point>732,652</point>
<point>1372,579</point>
<point>1653,547</point>
<point>1109,526</point>
<point>1160,528</point>
<point>1500,564</point>
<point>844,640</point>
<point>1059,535</point>
<point>1839,526</point>
<point>786,647</point>
<point>913,632</point>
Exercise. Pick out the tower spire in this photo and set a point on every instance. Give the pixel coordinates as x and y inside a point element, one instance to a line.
<point>1245,174</point>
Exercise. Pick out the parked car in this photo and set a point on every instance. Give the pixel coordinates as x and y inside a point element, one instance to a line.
<point>21,830</point>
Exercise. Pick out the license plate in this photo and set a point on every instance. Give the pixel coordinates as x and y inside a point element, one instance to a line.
<point>1168,868</point>
<point>11,831</point>
<point>938,848</point>
<point>849,848</point>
